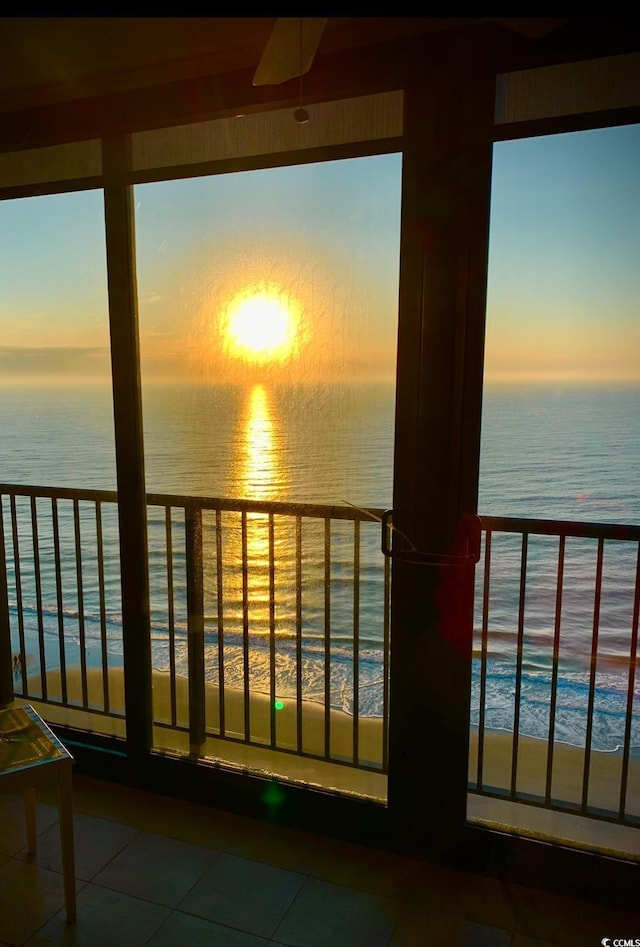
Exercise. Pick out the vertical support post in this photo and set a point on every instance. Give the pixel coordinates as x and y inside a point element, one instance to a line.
<point>195,628</point>
<point>6,666</point>
<point>127,411</point>
<point>448,121</point>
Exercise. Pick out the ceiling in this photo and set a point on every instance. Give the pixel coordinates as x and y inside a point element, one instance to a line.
<point>44,60</point>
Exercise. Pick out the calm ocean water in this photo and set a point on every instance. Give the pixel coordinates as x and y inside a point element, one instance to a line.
<point>564,452</point>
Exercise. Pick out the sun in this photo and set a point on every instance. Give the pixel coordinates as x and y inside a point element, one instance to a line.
<point>261,324</point>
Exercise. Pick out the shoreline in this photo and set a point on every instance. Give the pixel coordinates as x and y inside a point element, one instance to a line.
<point>570,719</point>
<point>115,671</point>
<point>605,767</point>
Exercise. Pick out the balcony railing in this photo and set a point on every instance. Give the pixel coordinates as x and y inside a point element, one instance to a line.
<point>258,611</point>
<point>555,655</point>
<point>270,630</point>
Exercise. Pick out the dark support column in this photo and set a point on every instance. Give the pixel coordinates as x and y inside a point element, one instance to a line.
<point>127,409</point>
<point>446,182</point>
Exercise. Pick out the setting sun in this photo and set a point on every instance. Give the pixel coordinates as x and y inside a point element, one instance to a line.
<point>261,324</point>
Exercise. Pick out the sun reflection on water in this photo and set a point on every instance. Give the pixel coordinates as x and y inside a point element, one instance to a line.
<point>263,477</point>
<point>261,473</point>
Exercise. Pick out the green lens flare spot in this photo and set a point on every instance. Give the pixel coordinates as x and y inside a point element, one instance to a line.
<point>273,796</point>
<point>279,705</point>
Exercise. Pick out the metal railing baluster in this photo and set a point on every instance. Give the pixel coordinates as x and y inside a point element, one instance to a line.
<point>18,582</point>
<point>593,663</point>
<point>356,640</point>
<point>299,632</point>
<point>171,617</point>
<point>272,634</point>
<point>38,583</point>
<point>195,627</point>
<point>519,652</point>
<point>6,662</point>
<point>219,591</point>
<point>59,599</point>
<point>386,640</point>
<point>484,648</point>
<point>103,609</point>
<point>327,638</point>
<point>80,589</point>
<point>245,628</point>
<point>631,687</point>
<point>554,669</point>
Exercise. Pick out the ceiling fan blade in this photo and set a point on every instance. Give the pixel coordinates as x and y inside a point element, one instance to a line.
<point>290,49</point>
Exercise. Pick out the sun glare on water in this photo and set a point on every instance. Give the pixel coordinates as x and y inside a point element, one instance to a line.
<point>261,324</point>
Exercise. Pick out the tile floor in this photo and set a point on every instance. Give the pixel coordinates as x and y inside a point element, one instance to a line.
<point>153,871</point>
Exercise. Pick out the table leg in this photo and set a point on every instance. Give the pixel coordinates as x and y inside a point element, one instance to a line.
<point>29,796</point>
<point>65,805</point>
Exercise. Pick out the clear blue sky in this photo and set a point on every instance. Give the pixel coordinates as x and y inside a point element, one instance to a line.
<point>564,273</point>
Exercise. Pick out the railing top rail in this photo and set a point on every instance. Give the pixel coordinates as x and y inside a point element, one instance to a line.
<point>323,511</point>
<point>60,493</point>
<point>540,527</point>
<point>502,524</point>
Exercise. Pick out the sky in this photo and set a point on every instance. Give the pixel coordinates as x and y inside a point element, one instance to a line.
<point>563,293</point>
<point>325,235</point>
<point>563,284</point>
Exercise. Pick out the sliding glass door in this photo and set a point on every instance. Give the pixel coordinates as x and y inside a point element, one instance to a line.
<point>555,710</point>
<point>268,325</point>
<point>59,514</point>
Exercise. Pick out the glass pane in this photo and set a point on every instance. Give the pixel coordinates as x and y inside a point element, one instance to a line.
<point>268,309</point>
<point>561,442</point>
<point>56,432</point>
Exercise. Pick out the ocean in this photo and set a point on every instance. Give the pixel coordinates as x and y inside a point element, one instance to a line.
<point>549,451</point>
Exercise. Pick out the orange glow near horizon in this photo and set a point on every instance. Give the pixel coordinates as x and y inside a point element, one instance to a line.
<point>261,324</point>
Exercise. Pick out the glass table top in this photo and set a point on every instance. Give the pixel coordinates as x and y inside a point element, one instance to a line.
<point>26,741</point>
